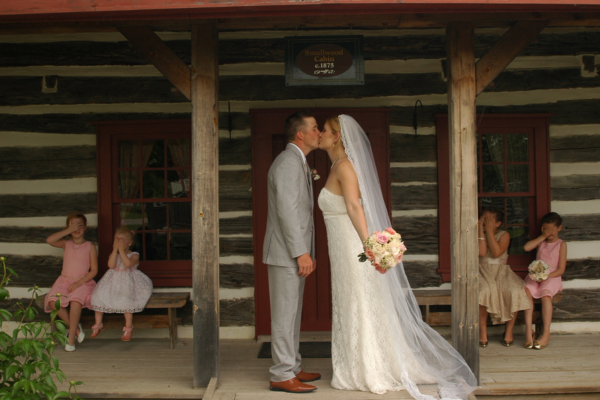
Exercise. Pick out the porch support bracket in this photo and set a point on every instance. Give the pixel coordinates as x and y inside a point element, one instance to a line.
<point>463,192</point>
<point>205,203</point>
<point>164,59</point>
<point>505,50</point>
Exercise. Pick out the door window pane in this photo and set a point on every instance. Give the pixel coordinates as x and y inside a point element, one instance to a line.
<point>492,148</point>
<point>129,184</point>
<point>517,147</point>
<point>129,154</point>
<point>493,178</point>
<point>178,153</point>
<point>517,210</point>
<point>156,216</point>
<point>518,177</point>
<point>156,245</point>
<point>180,216</point>
<point>519,235</point>
<point>154,184</point>
<point>179,183</point>
<point>181,246</point>
<point>157,154</point>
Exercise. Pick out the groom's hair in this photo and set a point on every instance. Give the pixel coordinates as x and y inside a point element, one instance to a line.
<point>295,123</point>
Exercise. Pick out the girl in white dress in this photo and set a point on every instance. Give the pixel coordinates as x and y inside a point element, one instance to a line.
<point>379,340</point>
<point>123,289</point>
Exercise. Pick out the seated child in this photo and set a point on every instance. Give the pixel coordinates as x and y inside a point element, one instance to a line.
<point>553,251</point>
<point>501,291</point>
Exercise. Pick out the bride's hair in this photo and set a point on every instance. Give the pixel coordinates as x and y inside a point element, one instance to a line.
<point>334,123</point>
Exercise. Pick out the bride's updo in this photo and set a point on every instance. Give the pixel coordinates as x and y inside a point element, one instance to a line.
<point>334,123</point>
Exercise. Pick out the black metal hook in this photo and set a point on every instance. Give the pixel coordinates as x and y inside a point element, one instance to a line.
<point>415,122</point>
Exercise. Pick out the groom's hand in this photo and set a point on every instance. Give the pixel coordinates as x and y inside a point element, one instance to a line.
<point>305,265</point>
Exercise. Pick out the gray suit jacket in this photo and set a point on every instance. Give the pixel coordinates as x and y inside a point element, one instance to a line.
<point>290,228</point>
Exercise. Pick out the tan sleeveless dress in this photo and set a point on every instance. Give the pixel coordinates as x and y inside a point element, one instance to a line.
<point>501,291</point>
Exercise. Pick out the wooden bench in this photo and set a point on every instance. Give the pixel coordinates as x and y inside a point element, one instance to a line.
<point>427,298</point>
<point>171,301</point>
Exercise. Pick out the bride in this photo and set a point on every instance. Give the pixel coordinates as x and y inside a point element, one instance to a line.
<point>379,340</point>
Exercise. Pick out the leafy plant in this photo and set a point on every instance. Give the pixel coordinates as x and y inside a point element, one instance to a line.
<point>28,365</point>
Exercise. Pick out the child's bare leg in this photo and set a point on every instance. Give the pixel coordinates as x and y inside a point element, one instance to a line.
<point>483,315</point>
<point>74,316</point>
<point>547,310</point>
<point>529,319</point>
<point>128,320</point>
<point>508,334</point>
<point>63,313</point>
<point>98,317</point>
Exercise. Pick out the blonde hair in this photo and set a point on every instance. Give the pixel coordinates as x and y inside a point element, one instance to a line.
<point>76,215</point>
<point>125,231</point>
<point>334,123</point>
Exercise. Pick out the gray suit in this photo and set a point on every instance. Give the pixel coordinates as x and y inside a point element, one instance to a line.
<point>290,233</point>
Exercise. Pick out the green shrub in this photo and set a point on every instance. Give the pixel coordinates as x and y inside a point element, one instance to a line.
<point>27,365</point>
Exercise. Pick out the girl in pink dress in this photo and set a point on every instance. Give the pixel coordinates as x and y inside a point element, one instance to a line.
<point>553,251</point>
<point>75,283</point>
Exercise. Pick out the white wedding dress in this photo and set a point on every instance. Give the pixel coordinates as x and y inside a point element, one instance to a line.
<point>362,344</point>
<point>379,340</point>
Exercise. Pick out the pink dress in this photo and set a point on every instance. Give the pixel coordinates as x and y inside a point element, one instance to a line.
<point>548,253</point>
<point>76,264</point>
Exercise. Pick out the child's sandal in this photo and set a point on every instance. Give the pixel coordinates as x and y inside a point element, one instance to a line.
<point>127,334</point>
<point>96,330</point>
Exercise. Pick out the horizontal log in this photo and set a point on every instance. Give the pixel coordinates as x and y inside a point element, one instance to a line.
<point>44,270</point>
<point>61,162</point>
<point>235,192</point>
<point>424,197</point>
<point>419,174</point>
<point>235,151</point>
<point>25,90</point>
<point>575,181</point>
<point>587,268</point>
<point>17,234</point>
<point>411,148</point>
<point>581,227</point>
<point>576,194</point>
<point>568,112</point>
<point>236,246</point>
<point>234,276</point>
<point>236,226</point>
<point>273,50</point>
<point>578,305</point>
<point>581,148</point>
<point>43,205</point>
<point>422,274</point>
<point>420,234</point>
<point>82,123</point>
<point>237,312</point>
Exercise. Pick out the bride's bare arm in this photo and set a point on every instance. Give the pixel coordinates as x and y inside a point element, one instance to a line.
<point>351,192</point>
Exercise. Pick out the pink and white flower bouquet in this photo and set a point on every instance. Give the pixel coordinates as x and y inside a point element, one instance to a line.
<point>538,270</point>
<point>384,249</point>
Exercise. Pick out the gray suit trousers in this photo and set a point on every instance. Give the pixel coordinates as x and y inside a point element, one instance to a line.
<point>286,289</point>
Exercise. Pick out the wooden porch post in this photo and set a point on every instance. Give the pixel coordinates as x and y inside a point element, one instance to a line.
<point>205,203</point>
<point>463,192</point>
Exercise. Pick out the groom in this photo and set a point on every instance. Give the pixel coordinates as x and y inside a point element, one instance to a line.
<point>289,250</point>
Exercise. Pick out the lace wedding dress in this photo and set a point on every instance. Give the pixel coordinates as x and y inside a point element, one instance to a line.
<point>379,339</point>
<point>362,342</point>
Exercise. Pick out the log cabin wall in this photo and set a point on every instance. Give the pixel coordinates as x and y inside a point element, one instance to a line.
<point>48,153</point>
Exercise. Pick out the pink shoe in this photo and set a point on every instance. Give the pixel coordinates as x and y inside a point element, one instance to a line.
<point>127,334</point>
<point>96,330</point>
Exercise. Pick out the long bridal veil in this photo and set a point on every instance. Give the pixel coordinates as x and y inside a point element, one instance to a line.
<point>437,358</point>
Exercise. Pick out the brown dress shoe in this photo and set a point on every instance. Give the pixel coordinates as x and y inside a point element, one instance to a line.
<point>308,376</point>
<point>291,386</point>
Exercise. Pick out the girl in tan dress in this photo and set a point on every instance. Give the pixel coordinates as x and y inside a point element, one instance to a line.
<point>501,291</point>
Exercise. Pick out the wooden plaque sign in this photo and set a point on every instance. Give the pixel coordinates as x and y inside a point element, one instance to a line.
<point>331,60</point>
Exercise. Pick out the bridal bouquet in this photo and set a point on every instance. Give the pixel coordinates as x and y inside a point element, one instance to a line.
<point>384,249</point>
<point>538,270</point>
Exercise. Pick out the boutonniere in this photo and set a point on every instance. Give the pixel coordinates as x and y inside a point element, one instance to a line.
<point>315,176</point>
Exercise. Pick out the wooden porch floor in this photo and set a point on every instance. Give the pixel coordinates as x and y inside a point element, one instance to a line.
<point>148,369</point>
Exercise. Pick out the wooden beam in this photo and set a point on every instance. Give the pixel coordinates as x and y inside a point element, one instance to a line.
<point>504,52</point>
<point>163,58</point>
<point>373,20</point>
<point>205,202</point>
<point>463,192</point>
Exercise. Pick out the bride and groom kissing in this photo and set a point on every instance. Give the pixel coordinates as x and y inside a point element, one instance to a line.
<point>379,340</point>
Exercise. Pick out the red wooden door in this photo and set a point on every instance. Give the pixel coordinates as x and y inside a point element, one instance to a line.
<point>268,140</point>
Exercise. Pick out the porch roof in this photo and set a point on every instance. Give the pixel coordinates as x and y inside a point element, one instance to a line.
<point>68,10</point>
